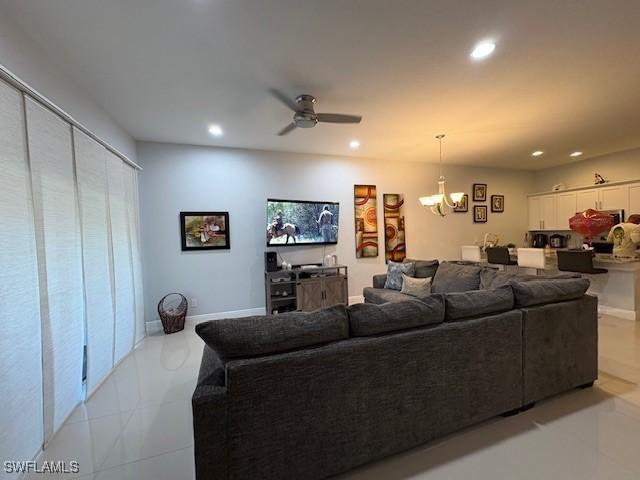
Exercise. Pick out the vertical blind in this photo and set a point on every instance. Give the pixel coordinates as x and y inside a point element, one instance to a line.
<point>70,278</point>
<point>91,169</point>
<point>57,228</point>
<point>20,343</point>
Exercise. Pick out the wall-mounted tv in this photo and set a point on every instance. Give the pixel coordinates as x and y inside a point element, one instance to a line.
<point>301,222</point>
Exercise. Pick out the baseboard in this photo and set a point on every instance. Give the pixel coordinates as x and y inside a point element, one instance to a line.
<point>618,312</point>
<point>356,299</point>
<point>155,326</point>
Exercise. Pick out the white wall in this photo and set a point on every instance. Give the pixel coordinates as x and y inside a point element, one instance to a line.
<point>180,178</point>
<point>24,59</point>
<point>617,166</point>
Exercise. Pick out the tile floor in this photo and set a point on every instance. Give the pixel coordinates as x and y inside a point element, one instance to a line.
<point>137,426</point>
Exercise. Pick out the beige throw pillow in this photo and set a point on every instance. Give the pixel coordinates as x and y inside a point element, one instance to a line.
<point>416,287</point>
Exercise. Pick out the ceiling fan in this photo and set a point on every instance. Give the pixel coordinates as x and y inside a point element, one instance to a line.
<point>304,115</point>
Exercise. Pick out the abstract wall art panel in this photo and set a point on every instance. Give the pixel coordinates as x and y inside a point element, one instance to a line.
<point>366,217</point>
<point>394,232</point>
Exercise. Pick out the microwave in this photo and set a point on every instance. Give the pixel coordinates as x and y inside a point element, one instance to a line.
<point>618,215</point>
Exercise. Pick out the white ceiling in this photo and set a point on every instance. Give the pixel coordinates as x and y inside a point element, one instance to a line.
<point>564,75</point>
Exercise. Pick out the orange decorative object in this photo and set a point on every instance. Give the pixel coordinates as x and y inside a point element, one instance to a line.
<point>590,223</point>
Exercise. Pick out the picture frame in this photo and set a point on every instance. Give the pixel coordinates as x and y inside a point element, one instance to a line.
<point>480,214</point>
<point>204,231</point>
<point>497,203</point>
<point>479,192</point>
<point>463,206</point>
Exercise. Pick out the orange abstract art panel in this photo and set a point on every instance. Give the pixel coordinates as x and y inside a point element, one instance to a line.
<point>366,216</point>
<point>394,233</point>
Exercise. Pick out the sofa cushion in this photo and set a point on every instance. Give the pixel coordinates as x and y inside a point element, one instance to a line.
<point>261,335</point>
<point>475,303</point>
<point>416,287</point>
<point>423,268</point>
<point>538,292</point>
<point>491,278</point>
<point>366,319</point>
<point>452,277</point>
<point>394,274</point>
<point>383,295</point>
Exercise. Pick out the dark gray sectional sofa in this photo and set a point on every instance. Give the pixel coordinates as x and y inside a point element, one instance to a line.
<point>311,395</point>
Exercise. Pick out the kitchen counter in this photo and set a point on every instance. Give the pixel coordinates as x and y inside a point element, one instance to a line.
<point>618,290</point>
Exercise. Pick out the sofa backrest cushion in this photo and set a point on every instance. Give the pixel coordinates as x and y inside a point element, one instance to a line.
<point>460,305</point>
<point>366,319</point>
<point>491,278</point>
<point>261,335</point>
<point>453,277</point>
<point>538,292</point>
<point>423,268</point>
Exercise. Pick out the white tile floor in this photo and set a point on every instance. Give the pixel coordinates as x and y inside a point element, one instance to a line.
<point>137,426</point>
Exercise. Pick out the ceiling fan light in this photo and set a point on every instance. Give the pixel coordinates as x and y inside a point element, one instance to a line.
<point>457,197</point>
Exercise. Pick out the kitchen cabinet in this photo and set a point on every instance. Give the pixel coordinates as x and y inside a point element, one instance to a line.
<point>586,199</point>
<point>543,212</point>
<point>634,199</point>
<point>567,208</point>
<point>552,211</point>
<point>614,198</point>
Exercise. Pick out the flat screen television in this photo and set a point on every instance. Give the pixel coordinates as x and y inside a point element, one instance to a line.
<point>301,222</point>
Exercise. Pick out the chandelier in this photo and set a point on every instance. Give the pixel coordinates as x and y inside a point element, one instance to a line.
<point>440,202</point>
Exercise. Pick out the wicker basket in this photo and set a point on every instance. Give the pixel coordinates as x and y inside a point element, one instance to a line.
<point>173,311</point>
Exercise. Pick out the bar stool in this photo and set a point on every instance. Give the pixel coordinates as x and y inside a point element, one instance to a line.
<point>579,261</point>
<point>499,256</point>
<point>532,258</point>
<point>470,253</point>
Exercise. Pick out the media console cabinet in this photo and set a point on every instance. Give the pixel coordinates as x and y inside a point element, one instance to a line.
<point>305,289</point>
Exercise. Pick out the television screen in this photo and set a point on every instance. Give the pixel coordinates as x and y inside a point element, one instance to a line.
<point>291,222</point>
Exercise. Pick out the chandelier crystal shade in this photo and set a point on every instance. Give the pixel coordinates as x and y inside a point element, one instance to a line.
<point>440,203</point>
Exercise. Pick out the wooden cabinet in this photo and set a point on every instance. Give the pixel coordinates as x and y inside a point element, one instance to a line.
<point>303,289</point>
<point>567,208</point>
<point>310,295</point>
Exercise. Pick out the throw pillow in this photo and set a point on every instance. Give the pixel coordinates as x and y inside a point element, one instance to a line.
<point>416,287</point>
<point>394,274</point>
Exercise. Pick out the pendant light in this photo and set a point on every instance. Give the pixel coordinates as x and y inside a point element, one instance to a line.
<point>440,203</point>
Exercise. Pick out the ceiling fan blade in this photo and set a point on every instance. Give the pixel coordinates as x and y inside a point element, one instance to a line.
<point>288,102</point>
<point>287,129</point>
<point>338,118</point>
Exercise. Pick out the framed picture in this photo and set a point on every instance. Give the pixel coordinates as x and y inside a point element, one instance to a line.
<point>463,206</point>
<point>204,231</point>
<point>479,192</point>
<point>480,214</point>
<point>497,203</point>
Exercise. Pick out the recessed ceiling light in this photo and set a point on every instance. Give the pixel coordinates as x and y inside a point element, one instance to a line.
<point>537,153</point>
<point>575,154</point>
<point>215,130</point>
<point>354,144</point>
<point>483,49</point>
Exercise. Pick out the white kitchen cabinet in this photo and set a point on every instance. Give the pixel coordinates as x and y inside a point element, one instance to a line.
<point>535,218</point>
<point>634,200</point>
<point>549,210</point>
<point>543,212</point>
<point>586,199</point>
<point>614,198</point>
<point>567,208</point>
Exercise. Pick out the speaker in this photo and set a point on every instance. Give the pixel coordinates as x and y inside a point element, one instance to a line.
<point>270,261</point>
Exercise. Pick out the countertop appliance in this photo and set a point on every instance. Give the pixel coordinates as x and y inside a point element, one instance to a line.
<point>540,240</point>
<point>557,241</point>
